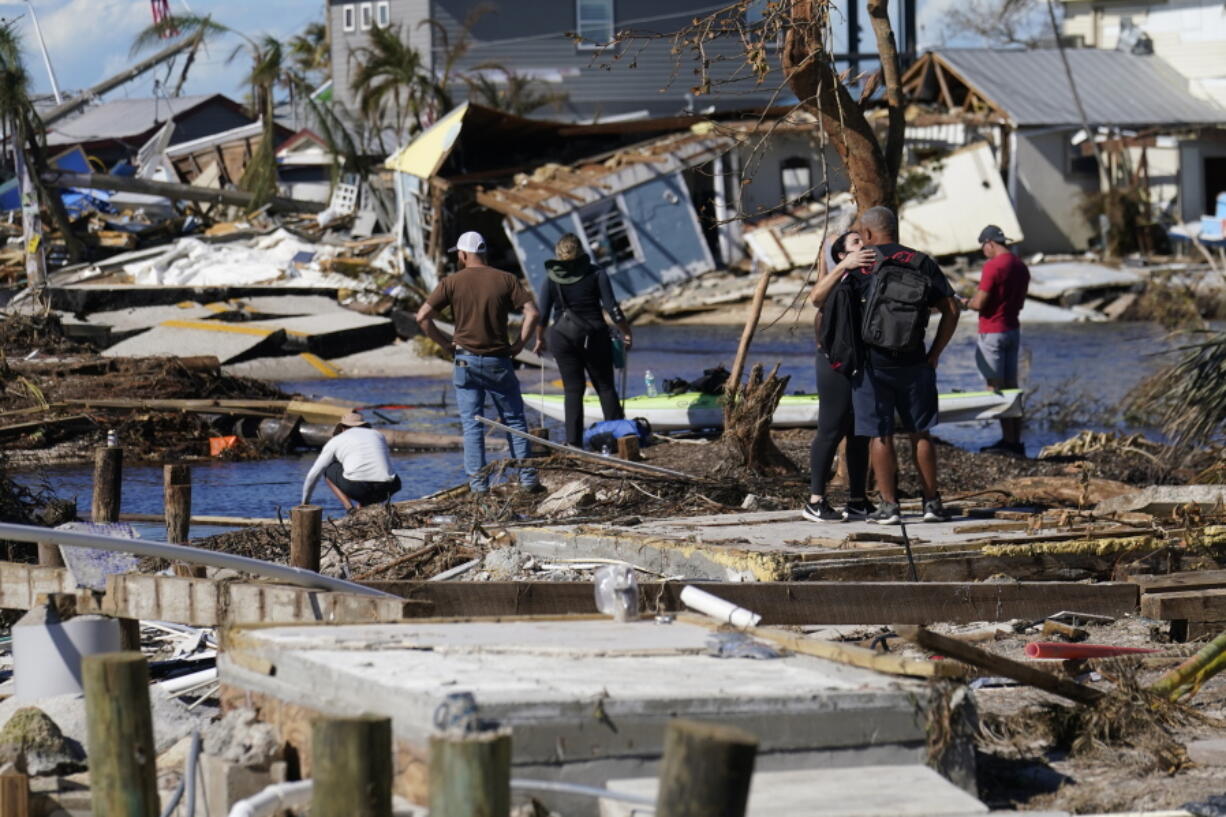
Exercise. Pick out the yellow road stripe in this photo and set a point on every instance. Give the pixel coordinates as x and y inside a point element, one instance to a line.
<point>210,326</point>
<point>319,363</point>
<point>218,306</point>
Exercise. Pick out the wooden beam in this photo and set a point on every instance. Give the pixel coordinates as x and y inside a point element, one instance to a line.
<point>786,603</point>
<point>1179,582</point>
<point>998,664</point>
<point>498,205</point>
<point>945,95</point>
<point>1193,605</point>
<point>131,184</point>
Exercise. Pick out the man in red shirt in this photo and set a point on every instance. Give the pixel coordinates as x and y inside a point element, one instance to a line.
<point>1001,295</point>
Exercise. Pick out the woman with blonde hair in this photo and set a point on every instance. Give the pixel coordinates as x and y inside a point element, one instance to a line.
<point>579,339</point>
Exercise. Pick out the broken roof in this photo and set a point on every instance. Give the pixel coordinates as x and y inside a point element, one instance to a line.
<point>1030,87</point>
<point>123,119</point>
<point>553,189</point>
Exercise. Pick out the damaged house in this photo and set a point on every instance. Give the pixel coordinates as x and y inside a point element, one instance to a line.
<point>1020,102</point>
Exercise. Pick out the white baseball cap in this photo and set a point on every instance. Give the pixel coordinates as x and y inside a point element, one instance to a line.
<point>470,242</point>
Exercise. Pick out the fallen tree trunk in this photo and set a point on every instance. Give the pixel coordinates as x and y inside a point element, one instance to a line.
<point>130,184</point>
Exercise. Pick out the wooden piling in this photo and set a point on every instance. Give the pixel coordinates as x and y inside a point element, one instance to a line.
<point>628,448</point>
<point>177,504</point>
<point>14,794</point>
<point>706,770</point>
<point>306,531</point>
<point>122,757</point>
<point>49,556</point>
<point>470,775</point>
<point>352,767</point>
<point>108,483</point>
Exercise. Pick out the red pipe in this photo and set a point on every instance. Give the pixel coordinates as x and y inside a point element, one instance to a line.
<point>1057,649</point>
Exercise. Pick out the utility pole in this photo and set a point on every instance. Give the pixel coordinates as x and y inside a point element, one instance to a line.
<point>42,45</point>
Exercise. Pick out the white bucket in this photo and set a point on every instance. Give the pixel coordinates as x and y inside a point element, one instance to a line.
<point>47,654</point>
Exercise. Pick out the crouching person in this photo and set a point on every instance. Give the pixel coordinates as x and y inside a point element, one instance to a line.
<point>356,465</point>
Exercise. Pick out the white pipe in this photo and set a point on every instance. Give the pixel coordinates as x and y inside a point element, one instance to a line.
<point>521,784</point>
<point>161,550</point>
<point>717,608</point>
<point>174,686</point>
<point>277,797</point>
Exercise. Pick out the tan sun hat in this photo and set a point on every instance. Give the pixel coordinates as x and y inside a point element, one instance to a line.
<point>352,420</point>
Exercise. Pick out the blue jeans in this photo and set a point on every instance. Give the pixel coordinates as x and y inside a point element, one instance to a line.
<point>474,376</point>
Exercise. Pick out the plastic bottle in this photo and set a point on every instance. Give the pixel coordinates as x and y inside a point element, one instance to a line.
<point>650,380</point>
<point>112,438</point>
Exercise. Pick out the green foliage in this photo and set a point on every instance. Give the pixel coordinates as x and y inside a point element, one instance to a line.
<point>515,94</point>
<point>1188,398</point>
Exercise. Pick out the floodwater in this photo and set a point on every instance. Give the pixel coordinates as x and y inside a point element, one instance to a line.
<point>1095,362</point>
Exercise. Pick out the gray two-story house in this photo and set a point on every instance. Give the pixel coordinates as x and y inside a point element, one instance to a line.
<point>599,79</point>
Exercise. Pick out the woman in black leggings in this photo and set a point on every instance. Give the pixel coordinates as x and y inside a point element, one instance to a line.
<point>579,339</point>
<point>834,417</point>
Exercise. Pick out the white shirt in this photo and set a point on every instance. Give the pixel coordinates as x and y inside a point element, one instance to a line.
<point>362,453</point>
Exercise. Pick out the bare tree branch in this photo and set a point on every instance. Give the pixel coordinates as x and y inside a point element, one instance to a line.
<point>879,13</point>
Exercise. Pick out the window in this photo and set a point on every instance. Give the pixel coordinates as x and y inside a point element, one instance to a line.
<point>349,17</point>
<point>367,15</point>
<point>797,178</point>
<point>383,13</point>
<point>594,22</point>
<point>609,238</point>
<point>1080,163</point>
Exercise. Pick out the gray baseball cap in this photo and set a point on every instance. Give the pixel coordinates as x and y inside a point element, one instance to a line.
<point>992,233</point>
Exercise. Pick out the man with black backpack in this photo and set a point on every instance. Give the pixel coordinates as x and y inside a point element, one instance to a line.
<point>898,375</point>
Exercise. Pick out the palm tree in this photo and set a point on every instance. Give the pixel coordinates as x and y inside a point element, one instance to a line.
<point>391,81</point>
<point>309,50</point>
<point>268,71</point>
<point>23,126</point>
<point>516,94</point>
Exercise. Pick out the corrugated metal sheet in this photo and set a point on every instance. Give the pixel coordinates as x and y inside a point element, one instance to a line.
<point>121,118</point>
<point>1116,88</point>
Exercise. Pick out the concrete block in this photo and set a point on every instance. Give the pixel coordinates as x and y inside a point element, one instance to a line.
<point>1162,500</point>
<point>588,700</point>
<point>863,791</point>
<point>230,342</point>
<point>226,782</point>
<point>332,334</point>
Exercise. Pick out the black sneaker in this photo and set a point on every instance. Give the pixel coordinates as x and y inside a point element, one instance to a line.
<point>858,509</point>
<point>887,513</point>
<point>934,511</point>
<point>1018,449</point>
<point>821,512</point>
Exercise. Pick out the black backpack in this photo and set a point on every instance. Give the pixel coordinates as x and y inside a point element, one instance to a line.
<point>840,329</point>
<point>896,305</point>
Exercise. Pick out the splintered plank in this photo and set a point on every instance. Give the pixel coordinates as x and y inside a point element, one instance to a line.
<point>21,584</point>
<point>788,603</point>
<point>1189,605</point>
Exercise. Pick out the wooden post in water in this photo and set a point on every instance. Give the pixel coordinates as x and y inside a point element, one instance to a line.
<point>705,771</point>
<point>177,501</point>
<point>306,531</point>
<point>352,767</point>
<point>470,774</point>
<point>628,448</point>
<point>108,483</point>
<point>14,794</point>
<point>122,757</point>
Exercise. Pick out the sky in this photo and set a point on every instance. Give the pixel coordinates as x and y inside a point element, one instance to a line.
<point>89,40</point>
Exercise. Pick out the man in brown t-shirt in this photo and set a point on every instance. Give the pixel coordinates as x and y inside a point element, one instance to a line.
<point>480,298</point>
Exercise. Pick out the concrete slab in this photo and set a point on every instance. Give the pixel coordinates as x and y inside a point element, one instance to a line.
<point>759,546</point>
<point>331,334</point>
<point>863,791</point>
<point>290,305</point>
<point>587,700</point>
<point>147,317</point>
<point>230,342</point>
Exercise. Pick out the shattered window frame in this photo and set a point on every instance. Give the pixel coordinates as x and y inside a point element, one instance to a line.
<point>383,13</point>
<point>349,17</point>
<point>366,16</point>
<point>607,21</point>
<point>796,191</point>
<point>608,233</point>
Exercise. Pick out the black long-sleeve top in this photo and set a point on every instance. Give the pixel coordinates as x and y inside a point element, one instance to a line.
<point>585,297</point>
